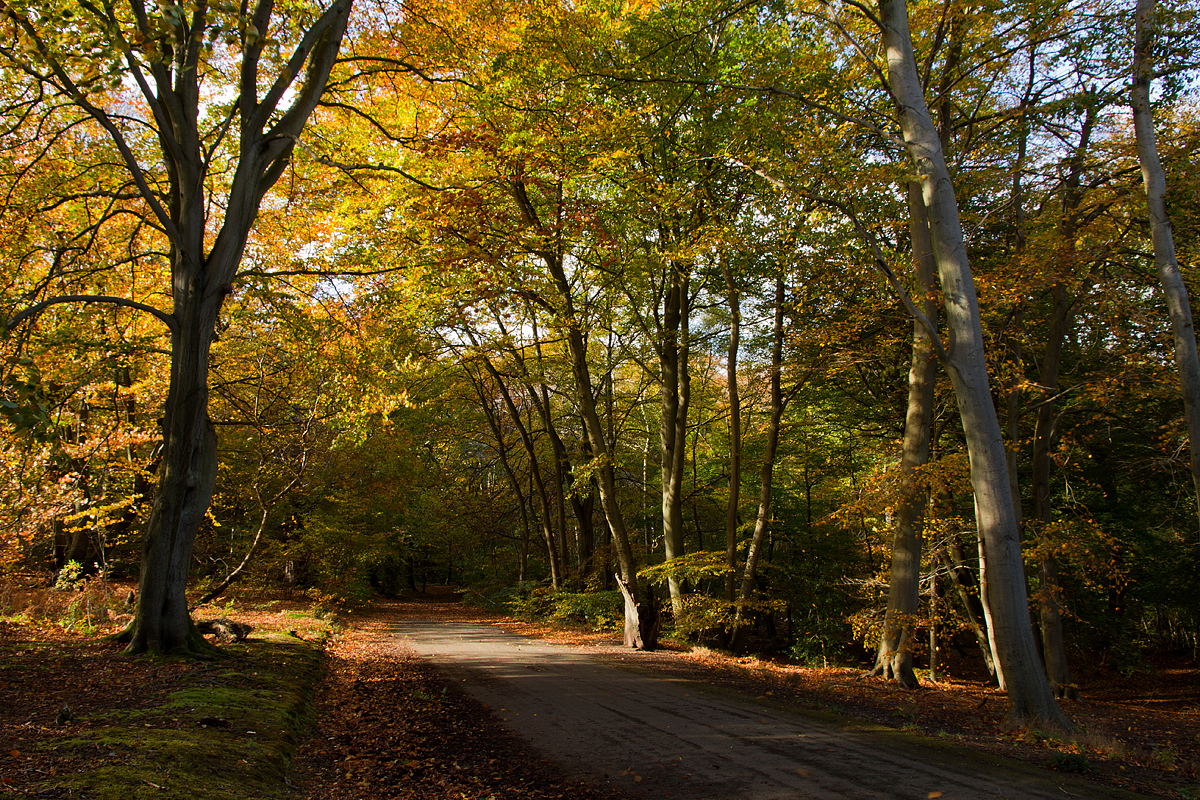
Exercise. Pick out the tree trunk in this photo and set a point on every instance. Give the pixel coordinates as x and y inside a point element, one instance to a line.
<point>535,471</point>
<point>1053,648</point>
<point>1155,180</point>
<point>968,591</point>
<point>935,611</point>
<point>638,631</point>
<point>738,632</point>
<point>1030,700</point>
<point>584,509</point>
<point>1050,604</point>
<point>894,659</point>
<point>735,432</point>
<point>202,275</point>
<point>502,449</point>
<point>187,479</point>
<point>640,628</point>
<point>1012,398</point>
<point>676,395</point>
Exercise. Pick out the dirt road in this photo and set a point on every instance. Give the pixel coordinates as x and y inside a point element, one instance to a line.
<point>682,740</point>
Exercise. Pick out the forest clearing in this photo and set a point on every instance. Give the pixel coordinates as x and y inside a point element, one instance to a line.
<point>836,335</point>
<point>391,723</point>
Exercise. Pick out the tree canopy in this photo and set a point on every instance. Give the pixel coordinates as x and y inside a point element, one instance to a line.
<point>792,324</point>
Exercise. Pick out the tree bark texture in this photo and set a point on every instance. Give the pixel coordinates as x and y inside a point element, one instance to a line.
<point>201,275</point>
<point>894,659</point>
<point>1154,178</point>
<point>676,398</point>
<point>1030,700</point>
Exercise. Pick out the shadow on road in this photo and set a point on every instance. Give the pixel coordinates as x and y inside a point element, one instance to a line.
<point>677,739</point>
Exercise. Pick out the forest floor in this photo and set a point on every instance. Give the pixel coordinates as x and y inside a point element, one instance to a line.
<point>387,719</point>
<point>391,726</point>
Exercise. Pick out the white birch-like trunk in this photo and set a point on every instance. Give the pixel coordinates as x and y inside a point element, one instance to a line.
<point>1031,702</point>
<point>1165,263</point>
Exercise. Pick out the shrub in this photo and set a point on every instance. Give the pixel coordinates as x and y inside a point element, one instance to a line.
<point>1070,762</point>
<point>603,610</point>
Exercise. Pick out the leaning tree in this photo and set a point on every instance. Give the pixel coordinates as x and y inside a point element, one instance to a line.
<point>203,104</point>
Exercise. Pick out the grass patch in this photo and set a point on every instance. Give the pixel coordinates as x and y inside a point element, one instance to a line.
<point>167,728</point>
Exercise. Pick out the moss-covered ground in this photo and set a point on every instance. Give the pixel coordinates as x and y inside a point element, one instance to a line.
<point>78,719</point>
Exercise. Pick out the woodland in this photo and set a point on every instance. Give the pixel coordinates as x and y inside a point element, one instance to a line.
<point>826,329</point>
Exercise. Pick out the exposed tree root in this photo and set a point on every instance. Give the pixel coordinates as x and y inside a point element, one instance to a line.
<point>194,644</point>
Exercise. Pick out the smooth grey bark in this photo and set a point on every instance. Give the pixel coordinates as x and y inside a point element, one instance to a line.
<point>672,434</point>
<point>894,658</point>
<point>1030,700</point>
<point>778,404</point>
<point>735,431</point>
<point>640,620</point>
<point>1154,179</point>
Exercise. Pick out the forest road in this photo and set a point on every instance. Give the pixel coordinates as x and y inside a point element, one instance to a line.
<point>674,739</point>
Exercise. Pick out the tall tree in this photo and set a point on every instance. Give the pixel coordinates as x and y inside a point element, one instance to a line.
<point>734,298</point>
<point>778,402</point>
<point>894,659</point>
<point>1154,179</point>
<point>92,56</point>
<point>1031,701</point>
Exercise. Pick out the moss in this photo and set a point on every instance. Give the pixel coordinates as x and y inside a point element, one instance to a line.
<point>256,704</point>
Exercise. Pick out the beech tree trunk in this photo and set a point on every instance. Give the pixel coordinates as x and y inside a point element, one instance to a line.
<point>640,622</point>
<point>1187,361</point>
<point>204,253</point>
<point>676,398</point>
<point>1030,700</point>
<point>738,632</point>
<point>894,659</point>
<point>735,432</point>
<point>189,474</point>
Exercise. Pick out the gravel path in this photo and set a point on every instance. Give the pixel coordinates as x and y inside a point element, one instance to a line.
<point>679,739</point>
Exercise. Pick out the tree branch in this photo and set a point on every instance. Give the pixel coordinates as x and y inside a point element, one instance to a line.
<point>872,243</point>
<point>35,310</point>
